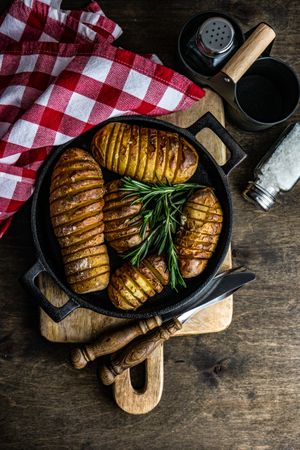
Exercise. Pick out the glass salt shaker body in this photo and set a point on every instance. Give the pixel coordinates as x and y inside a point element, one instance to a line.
<point>278,170</point>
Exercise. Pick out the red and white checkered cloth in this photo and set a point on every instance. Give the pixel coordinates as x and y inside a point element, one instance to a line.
<point>59,76</point>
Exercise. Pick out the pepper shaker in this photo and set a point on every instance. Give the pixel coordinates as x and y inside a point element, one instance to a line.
<point>212,45</point>
<point>279,169</point>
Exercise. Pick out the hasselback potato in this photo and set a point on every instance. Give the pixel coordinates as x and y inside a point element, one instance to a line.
<point>131,286</point>
<point>122,221</point>
<point>145,154</point>
<point>198,236</point>
<point>76,203</point>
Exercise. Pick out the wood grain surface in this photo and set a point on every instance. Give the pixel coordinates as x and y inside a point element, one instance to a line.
<point>238,389</point>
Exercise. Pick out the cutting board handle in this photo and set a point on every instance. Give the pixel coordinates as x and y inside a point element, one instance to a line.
<point>143,400</point>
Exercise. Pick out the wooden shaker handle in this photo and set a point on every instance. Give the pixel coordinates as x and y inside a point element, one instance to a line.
<point>248,53</point>
<point>137,351</point>
<point>112,341</point>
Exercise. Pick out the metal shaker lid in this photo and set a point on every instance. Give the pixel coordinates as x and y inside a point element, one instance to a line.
<point>257,195</point>
<point>215,36</point>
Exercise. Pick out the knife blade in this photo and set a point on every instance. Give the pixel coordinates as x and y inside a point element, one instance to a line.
<point>139,349</point>
<point>225,287</point>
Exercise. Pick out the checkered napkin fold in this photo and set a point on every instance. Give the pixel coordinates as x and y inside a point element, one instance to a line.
<point>59,76</point>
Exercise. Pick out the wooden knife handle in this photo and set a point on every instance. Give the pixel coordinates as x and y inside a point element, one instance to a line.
<point>137,351</point>
<point>248,53</point>
<point>112,341</point>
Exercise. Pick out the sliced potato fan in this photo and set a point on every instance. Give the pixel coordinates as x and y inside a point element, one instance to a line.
<point>122,219</point>
<point>76,203</point>
<point>131,286</point>
<point>145,154</point>
<point>198,236</point>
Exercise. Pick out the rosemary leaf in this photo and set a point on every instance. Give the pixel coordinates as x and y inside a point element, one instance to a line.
<point>161,211</point>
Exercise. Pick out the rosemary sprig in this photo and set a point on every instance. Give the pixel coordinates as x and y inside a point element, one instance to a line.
<point>150,191</point>
<point>161,210</point>
<point>140,252</point>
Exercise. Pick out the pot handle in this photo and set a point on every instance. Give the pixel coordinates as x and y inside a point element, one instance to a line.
<point>55,313</point>
<point>237,154</point>
<point>247,54</point>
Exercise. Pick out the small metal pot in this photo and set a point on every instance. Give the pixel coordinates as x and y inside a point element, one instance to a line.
<point>266,95</point>
<point>259,92</point>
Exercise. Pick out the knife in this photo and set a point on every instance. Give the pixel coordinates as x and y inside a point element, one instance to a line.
<point>114,340</point>
<point>139,349</point>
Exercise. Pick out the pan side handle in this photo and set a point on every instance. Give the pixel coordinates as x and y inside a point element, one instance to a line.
<point>237,154</point>
<point>28,280</point>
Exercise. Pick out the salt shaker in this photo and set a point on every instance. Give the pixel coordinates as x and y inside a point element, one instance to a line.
<point>279,169</point>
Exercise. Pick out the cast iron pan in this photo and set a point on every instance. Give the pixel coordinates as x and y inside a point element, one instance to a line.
<point>169,301</point>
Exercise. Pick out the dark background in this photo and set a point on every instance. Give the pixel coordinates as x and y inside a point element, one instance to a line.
<point>238,389</point>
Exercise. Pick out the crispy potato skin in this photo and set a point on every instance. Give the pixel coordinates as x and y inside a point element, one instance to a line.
<point>198,236</point>
<point>130,286</point>
<point>76,204</point>
<point>145,154</point>
<point>122,221</point>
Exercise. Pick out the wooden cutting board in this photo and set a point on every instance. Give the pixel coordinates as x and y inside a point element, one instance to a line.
<point>83,325</point>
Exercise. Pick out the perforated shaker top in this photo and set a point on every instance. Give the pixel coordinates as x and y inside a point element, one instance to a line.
<point>215,36</point>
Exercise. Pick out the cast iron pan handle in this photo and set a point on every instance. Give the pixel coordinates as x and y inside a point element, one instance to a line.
<point>56,313</point>
<point>236,153</point>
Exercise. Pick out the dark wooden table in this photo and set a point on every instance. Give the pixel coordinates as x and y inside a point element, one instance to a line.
<point>238,389</point>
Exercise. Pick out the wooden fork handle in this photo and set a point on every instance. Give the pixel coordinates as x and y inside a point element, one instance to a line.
<point>137,351</point>
<point>112,341</point>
